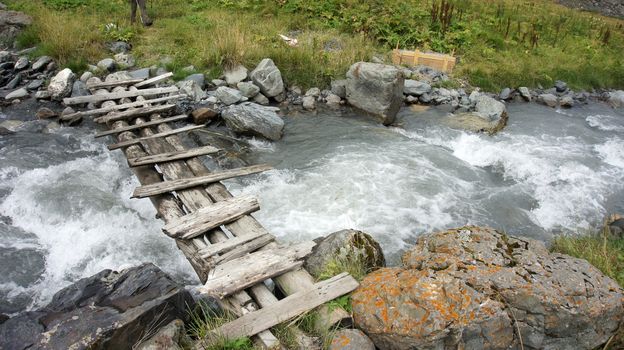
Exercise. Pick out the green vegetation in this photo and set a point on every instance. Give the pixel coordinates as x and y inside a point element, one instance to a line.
<point>203,320</point>
<point>500,43</point>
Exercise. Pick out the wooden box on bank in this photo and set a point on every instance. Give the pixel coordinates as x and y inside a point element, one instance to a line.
<point>441,62</point>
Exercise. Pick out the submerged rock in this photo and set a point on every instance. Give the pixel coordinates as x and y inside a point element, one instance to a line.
<point>477,288</point>
<point>268,77</point>
<point>489,116</point>
<point>254,119</point>
<point>110,310</point>
<point>376,89</point>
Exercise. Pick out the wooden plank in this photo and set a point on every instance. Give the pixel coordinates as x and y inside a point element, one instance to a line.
<point>133,113</point>
<point>213,216</point>
<point>241,250</point>
<point>140,126</point>
<point>154,136</point>
<point>154,80</point>
<point>228,245</point>
<point>287,308</point>
<point>118,95</point>
<point>171,156</point>
<point>110,84</point>
<point>113,108</point>
<point>180,184</point>
<point>250,269</point>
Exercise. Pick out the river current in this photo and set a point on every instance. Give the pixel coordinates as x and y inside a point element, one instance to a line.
<point>65,211</point>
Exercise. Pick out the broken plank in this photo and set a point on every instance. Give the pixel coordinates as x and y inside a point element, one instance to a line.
<point>287,308</point>
<point>105,110</point>
<point>110,84</point>
<point>180,184</point>
<point>243,272</point>
<point>171,156</point>
<point>154,80</point>
<point>228,245</point>
<point>135,112</point>
<point>213,216</point>
<point>118,95</point>
<point>155,136</point>
<point>144,125</point>
<point>241,250</point>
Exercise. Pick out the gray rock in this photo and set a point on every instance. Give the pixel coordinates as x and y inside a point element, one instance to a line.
<point>13,83</point>
<point>416,88</point>
<point>351,339</point>
<point>261,99</point>
<point>616,98</point>
<point>280,97</point>
<point>314,92</point>
<point>425,98</point>
<point>125,60</point>
<point>505,94</point>
<point>119,47</point>
<point>11,125</point>
<point>411,99</point>
<point>191,89</point>
<point>561,86</point>
<point>34,85</point>
<point>525,93</point>
<point>345,244</point>
<point>79,89</point>
<point>339,87</point>
<point>476,288</point>
<point>333,100</point>
<point>189,69</point>
<point>110,310</point>
<point>45,113</point>
<point>198,78</point>
<point>441,95</point>
<point>235,75</point>
<point>376,89</point>
<point>295,90</point>
<point>92,68</point>
<point>11,24</point>
<point>3,6</point>
<point>43,95</point>
<point>61,84</point>
<point>41,63</point>
<point>170,337</point>
<point>491,109</point>
<point>117,76</point>
<point>17,94</point>
<point>566,101</point>
<point>5,56</point>
<point>490,116</point>
<point>309,102</point>
<point>51,127</point>
<point>107,65</point>
<point>218,82</point>
<point>248,89</point>
<point>268,78</point>
<point>254,119</point>
<point>549,100</point>
<point>22,63</point>
<point>143,73</point>
<point>228,96</point>
<point>86,76</point>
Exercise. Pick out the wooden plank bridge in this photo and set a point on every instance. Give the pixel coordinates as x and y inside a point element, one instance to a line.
<point>231,252</point>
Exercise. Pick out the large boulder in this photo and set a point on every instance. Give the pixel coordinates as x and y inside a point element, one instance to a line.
<point>489,116</point>
<point>254,119</point>
<point>345,244</point>
<point>11,23</point>
<point>616,98</point>
<point>477,288</point>
<point>61,84</point>
<point>268,78</point>
<point>110,310</point>
<point>376,89</point>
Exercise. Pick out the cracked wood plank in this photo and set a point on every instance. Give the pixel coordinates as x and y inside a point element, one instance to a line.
<point>171,156</point>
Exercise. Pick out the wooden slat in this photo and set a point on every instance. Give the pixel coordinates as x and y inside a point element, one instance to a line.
<point>180,184</point>
<point>133,113</point>
<point>228,245</point>
<point>171,156</point>
<point>155,136</point>
<point>110,84</point>
<point>105,110</point>
<point>207,218</point>
<point>250,269</point>
<point>241,250</point>
<point>154,80</point>
<point>118,95</point>
<point>287,308</point>
<point>140,126</point>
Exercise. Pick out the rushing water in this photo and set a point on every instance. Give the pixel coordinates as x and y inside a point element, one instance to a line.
<point>65,211</point>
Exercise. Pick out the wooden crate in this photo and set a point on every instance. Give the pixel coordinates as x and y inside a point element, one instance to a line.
<point>441,62</point>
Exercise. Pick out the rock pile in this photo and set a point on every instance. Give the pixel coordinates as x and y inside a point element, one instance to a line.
<point>21,76</point>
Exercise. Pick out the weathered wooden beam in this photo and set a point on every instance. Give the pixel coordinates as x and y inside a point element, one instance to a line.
<point>154,136</point>
<point>285,309</point>
<point>207,218</point>
<point>180,184</point>
<point>110,84</point>
<point>171,156</point>
<point>118,95</point>
<point>225,246</point>
<point>154,80</point>
<point>254,268</point>
<point>104,110</point>
<point>140,126</point>
<point>134,112</point>
<point>241,250</point>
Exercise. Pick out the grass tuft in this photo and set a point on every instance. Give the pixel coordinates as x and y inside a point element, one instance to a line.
<point>203,320</point>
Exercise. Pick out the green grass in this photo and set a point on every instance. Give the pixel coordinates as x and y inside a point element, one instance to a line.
<point>500,43</point>
<point>203,321</point>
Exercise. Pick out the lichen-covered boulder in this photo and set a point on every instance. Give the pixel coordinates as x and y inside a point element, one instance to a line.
<point>476,288</point>
<point>351,339</point>
<point>376,89</point>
